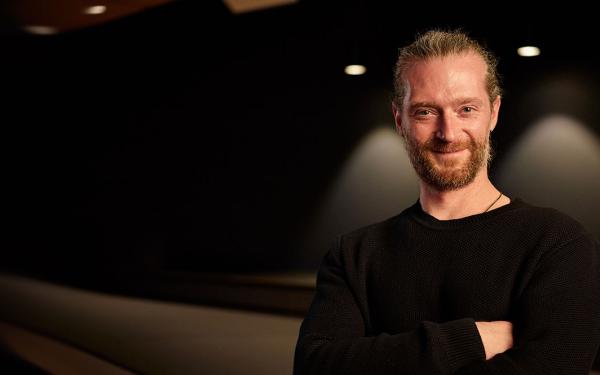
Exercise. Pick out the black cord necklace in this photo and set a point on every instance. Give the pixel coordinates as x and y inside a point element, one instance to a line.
<point>499,196</point>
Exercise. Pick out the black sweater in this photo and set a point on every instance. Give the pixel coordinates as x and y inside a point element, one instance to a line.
<point>402,296</point>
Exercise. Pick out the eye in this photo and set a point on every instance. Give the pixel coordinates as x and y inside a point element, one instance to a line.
<point>422,112</point>
<point>468,109</point>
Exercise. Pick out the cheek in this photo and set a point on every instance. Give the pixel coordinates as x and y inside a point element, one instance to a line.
<point>422,135</point>
<point>480,129</point>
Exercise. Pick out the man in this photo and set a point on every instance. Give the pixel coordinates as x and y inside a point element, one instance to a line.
<point>467,280</point>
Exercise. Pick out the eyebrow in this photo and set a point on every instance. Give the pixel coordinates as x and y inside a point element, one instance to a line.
<point>422,104</point>
<point>476,101</point>
<point>459,101</point>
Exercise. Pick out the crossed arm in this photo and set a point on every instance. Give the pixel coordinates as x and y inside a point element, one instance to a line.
<point>564,289</point>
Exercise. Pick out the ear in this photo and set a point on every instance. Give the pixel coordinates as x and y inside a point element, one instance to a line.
<point>397,118</point>
<point>495,111</point>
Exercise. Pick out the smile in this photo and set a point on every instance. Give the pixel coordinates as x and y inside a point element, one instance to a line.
<point>449,152</point>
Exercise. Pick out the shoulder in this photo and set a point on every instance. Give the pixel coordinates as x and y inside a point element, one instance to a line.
<point>367,241</point>
<point>377,232</point>
<point>371,231</point>
<point>549,219</point>
<point>554,229</point>
<point>351,253</point>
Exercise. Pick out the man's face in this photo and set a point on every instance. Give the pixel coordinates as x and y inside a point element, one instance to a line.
<point>446,119</point>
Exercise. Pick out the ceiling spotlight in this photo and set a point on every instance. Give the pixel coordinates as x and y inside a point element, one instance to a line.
<point>40,30</point>
<point>528,51</point>
<point>355,70</point>
<point>96,9</point>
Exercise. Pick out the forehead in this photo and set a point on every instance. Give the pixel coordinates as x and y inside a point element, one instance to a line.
<point>447,77</point>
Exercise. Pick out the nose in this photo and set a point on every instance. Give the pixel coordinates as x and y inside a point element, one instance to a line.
<point>446,128</point>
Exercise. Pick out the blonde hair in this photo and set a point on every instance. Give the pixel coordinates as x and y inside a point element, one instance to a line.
<point>437,43</point>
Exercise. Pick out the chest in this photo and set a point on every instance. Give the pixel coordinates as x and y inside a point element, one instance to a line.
<point>442,283</point>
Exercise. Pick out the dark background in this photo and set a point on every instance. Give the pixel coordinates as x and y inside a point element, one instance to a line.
<point>189,139</point>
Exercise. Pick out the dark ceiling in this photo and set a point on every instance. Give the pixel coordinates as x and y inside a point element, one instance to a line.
<point>313,37</point>
<point>183,41</point>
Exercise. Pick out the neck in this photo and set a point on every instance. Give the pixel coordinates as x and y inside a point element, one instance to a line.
<point>469,200</point>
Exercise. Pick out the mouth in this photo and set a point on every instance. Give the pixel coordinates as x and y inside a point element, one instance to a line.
<point>449,152</point>
<point>449,157</point>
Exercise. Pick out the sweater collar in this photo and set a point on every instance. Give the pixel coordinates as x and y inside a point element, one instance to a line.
<point>422,217</point>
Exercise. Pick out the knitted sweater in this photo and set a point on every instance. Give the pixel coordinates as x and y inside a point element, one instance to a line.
<point>402,296</point>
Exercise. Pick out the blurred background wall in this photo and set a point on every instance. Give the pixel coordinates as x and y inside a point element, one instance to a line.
<point>190,138</point>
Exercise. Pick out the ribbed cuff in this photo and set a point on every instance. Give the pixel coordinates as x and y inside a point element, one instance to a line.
<point>461,342</point>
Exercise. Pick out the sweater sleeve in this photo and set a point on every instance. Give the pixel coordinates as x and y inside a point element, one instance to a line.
<point>333,338</point>
<point>556,326</point>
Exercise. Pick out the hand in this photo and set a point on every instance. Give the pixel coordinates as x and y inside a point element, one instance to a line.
<point>496,336</point>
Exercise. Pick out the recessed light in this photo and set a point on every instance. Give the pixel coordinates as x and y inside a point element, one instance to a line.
<point>355,70</point>
<point>96,9</point>
<point>40,30</point>
<point>528,51</point>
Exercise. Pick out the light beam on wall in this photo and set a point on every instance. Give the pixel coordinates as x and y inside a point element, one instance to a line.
<point>557,164</point>
<point>376,182</point>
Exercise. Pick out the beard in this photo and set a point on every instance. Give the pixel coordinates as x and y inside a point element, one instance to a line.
<point>453,173</point>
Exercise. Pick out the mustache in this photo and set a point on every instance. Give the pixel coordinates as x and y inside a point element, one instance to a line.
<point>438,145</point>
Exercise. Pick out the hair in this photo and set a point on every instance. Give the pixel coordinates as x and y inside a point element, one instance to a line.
<point>438,43</point>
